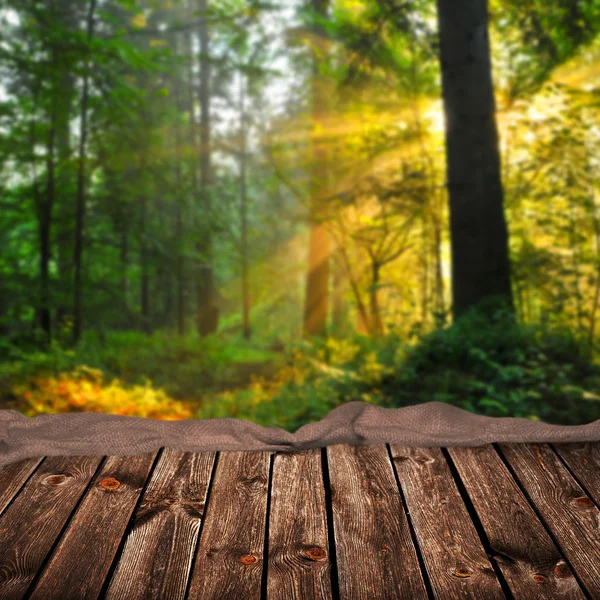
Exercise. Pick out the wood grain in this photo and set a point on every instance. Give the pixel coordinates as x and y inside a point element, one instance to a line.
<point>229,561</point>
<point>32,523</point>
<point>457,564</point>
<point>565,509</point>
<point>376,557</point>
<point>80,562</point>
<point>12,478</point>
<point>529,560</point>
<point>584,461</point>
<point>299,564</point>
<point>157,557</point>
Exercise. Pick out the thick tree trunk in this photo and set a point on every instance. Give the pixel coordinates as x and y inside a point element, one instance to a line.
<point>80,199</point>
<point>207,311</point>
<point>316,303</point>
<point>480,259</point>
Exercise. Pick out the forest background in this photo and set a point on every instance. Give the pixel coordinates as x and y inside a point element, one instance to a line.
<point>237,208</point>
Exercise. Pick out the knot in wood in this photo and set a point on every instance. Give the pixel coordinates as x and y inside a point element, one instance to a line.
<point>316,553</point>
<point>462,572</point>
<point>539,578</point>
<point>582,501</point>
<point>561,570</point>
<point>248,559</point>
<point>55,479</point>
<point>110,483</point>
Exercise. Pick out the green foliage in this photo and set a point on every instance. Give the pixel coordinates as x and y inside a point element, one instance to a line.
<point>494,367</point>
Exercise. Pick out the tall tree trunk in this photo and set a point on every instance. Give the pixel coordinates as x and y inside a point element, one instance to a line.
<point>316,303</point>
<point>80,199</point>
<point>179,227</point>
<point>244,213</point>
<point>337,311</point>
<point>124,259</point>
<point>45,224</point>
<point>375,316</point>
<point>480,259</point>
<point>145,267</point>
<point>207,311</point>
<point>64,176</point>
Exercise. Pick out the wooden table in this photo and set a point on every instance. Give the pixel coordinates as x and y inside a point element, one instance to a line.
<point>354,522</point>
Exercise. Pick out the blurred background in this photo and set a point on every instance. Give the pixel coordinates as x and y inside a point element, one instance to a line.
<point>237,208</point>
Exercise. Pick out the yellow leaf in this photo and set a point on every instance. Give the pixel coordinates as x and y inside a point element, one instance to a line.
<point>139,21</point>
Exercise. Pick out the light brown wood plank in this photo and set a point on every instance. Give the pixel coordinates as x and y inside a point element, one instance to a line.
<point>565,509</point>
<point>12,478</point>
<point>87,548</point>
<point>457,564</point>
<point>31,524</point>
<point>229,561</point>
<point>299,563</point>
<point>531,563</point>
<point>376,558</point>
<point>584,460</point>
<point>157,557</point>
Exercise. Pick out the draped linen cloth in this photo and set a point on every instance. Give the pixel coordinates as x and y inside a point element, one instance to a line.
<point>432,424</point>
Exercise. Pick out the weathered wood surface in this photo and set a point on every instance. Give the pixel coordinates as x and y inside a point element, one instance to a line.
<point>344,522</point>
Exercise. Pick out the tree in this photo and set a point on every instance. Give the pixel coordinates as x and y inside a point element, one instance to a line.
<point>81,182</point>
<point>479,234</point>
<point>316,304</point>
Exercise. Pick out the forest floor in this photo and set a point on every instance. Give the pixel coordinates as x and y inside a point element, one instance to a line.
<point>497,369</point>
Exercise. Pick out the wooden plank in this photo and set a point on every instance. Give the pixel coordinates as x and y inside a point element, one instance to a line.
<point>454,557</point>
<point>157,556</point>
<point>12,478</point>
<point>565,509</point>
<point>375,554</point>
<point>299,565</point>
<point>87,548</point>
<point>584,461</point>
<point>229,561</point>
<point>528,558</point>
<point>34,520</point>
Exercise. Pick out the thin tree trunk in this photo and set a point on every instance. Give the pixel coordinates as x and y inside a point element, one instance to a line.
<point>376,321</point>
<point>145,278</point>
<point>179,228</point>
<point>316,305</point>
<point>124,258</point>
<point>45,224</point>
<point>337,313</point>
<point>207,320</point>
<point>80,199</point>
<point>439,276</point>
<point>480,260</point>
<point>244,214</point>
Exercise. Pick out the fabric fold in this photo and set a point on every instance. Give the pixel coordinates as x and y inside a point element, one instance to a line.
<point>430,424</point>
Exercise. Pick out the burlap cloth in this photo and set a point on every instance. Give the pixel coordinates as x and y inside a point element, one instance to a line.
<point>429,424</point>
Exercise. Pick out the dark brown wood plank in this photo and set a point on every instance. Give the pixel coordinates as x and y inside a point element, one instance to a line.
<point>584,461</point>
<point>528,558</point>
<point>85,552</point>
<point>456,562</point>
<point>229,561</point>
<point>157,557</point>
<point>376,558</point>
<point>35,519</point>
<point>299,564</point>
<point>565,509</point>
<point>12,478</point>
